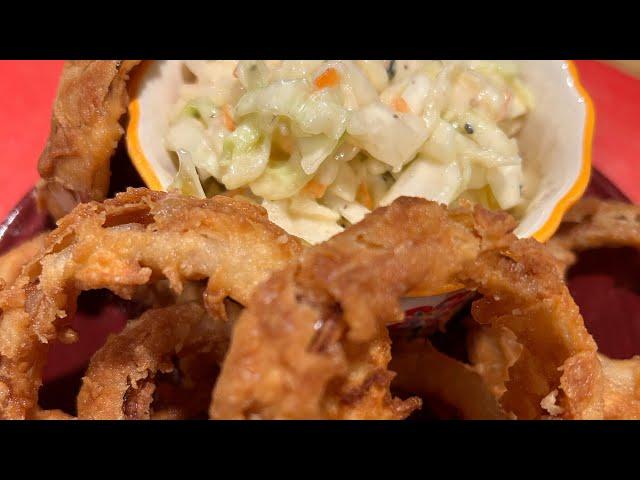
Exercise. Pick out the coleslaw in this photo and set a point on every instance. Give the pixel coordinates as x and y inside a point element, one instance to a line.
<point>319,144</point>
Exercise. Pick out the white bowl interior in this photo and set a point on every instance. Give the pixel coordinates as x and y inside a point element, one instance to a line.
<point>157,95</point>
<point>551,141</point>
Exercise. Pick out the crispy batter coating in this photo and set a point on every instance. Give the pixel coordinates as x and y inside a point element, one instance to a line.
<point>621,388</point>
<point>615,387</point>
<point>307,338</point>
<point>137,238</point>
<point>595,223</point>
<point>85,130</point>
<point>11,263</point>
<point>492,352</point>
<point>606,389</point>
<point>120,381</point>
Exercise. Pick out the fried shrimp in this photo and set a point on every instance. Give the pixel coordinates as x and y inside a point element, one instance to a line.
<point>85,130</point>
<point>312,342</point>
<point>123,244</point>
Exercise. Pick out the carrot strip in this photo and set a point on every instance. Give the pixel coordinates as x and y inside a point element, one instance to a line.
<point>400,105</point>
<point>329,78</point>
<point>227,118</point>
<point>363,196</point>
<point>315,189</point>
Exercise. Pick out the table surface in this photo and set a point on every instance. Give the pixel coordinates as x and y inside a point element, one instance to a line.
<point>27,89</point>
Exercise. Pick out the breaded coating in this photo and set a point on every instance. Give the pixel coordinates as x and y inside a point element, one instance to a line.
<point>595,223</point>
<point>85,131</point>
<point>316,332</point>
<point>137,238</point>
<point>121,379</point>
<point>11,263</point>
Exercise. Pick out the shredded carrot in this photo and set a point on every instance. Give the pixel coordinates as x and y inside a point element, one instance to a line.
<point>329,78</point>
<point>364,197</point>
<point>227,117</point>
<point>315,189</point>
<point>400,105</point>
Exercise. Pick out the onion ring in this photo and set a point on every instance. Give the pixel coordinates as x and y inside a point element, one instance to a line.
<point>11,263</point>
<point>307,338</point>
<point>119,383</point>
<point>122,244</point>
<point>85,130</point>
<point>594,223</point>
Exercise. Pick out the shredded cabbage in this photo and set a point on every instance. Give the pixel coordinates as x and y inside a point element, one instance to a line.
<point>427,179</point>
<point>281,179</point>
<point>252,74</point>
<point>393,138</point>
<point>245,155</point>
<point>376,72</point>
<point>309,229</point>
<point>187,180</point>
<point>188,135</point>
<point>307,207</point>
<point>346,183</point>
<point>353,212</point>
<point>314,151</point>
<point>322,143</point>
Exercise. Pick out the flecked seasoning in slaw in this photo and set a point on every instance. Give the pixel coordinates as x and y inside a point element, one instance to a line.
<point>320,144</point>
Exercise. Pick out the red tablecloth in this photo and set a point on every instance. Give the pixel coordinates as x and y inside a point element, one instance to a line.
<point>27,89</point>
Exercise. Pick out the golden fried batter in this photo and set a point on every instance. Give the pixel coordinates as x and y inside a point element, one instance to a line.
<point>493,351</point>
<point>136,238</point>
<point>595,223</point>
<point>308,337</point>
<point>11,263</point>
<point>120,381</point>
<point>615,387</point>
<point>606,389</point>
<point>621,388</point>
<point>85,130</point>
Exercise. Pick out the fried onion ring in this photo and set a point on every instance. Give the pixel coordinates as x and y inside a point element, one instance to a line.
<point>119,383</point>
<point>122,244</point>
<point>310,333</point>
<point>11,263</point>
<point>85,130</point>
<point>595,223</point>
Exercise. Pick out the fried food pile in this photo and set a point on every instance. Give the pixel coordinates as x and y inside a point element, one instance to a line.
<point>243,321</point>
<point>160,248</point>
<point>313,341</point>
<point>479,385</point>
<point>239,320</point>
